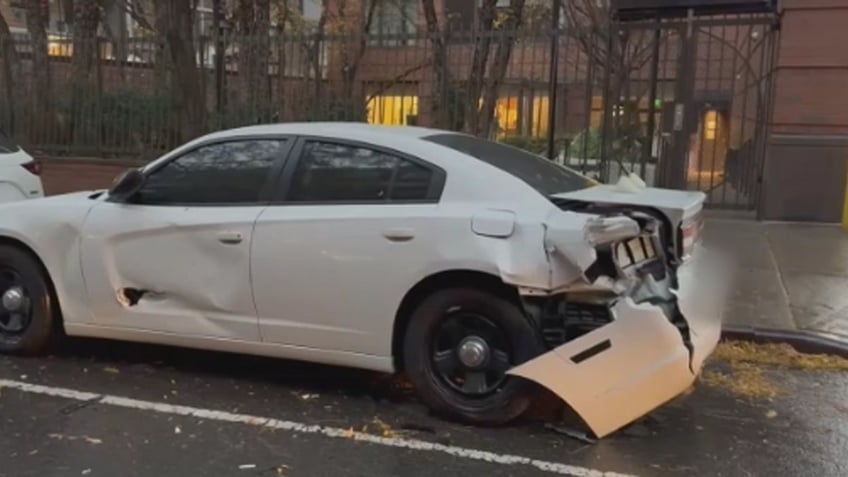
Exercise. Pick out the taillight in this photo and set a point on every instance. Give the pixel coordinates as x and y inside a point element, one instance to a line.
<point>690,235</point>
<point>34,167</point>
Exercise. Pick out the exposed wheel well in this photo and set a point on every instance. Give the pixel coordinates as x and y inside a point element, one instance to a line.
<point>440,281</point>
<point>12,242</point>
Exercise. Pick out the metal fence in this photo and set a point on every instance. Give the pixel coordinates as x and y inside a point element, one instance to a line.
<point>599,102</point>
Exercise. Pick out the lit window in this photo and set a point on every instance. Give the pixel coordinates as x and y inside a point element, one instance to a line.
<point>59,46</point>
<point>710,125</point>
<point>392,110</point>
<point>506,112</point>
<point>541,114</point>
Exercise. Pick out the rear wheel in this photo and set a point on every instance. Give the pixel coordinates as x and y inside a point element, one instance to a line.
<point>458,347</point>
<point>28,321</point>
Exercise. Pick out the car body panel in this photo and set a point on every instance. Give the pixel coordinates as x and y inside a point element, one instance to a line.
<point>338,276</point>
<point>194,281</point>
<point>17,183</point>
<point>637,362</point>
<point>675,204</point>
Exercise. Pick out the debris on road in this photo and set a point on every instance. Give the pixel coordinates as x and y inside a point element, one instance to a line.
<point>111,370</point>
<point>746,377</point>
<point>177,430</point>
<point>743,380</point>
<point>777,355</point>
<point>247,466</point>
<point>90,440</point>
<point>572,433</point>
<point>771,414</point>
<point>385,429</point>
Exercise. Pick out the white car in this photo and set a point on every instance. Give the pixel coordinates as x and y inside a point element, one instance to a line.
<point>474,267</point>
<point>20,175</point>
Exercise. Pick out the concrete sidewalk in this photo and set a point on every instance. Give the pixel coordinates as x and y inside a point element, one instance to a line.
<point>788,276</point>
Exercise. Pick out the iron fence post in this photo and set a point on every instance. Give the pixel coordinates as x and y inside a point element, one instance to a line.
<point>554,74</point>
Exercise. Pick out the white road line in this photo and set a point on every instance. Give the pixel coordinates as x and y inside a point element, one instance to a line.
<point>297,427</point>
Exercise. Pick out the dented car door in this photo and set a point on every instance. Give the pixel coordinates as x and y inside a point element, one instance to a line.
<point>176,258</point>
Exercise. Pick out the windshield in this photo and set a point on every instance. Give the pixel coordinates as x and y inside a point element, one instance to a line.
<point>544,175</point>
<point>7,144</point>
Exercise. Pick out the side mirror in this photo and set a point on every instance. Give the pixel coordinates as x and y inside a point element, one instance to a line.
<point>126,184</point>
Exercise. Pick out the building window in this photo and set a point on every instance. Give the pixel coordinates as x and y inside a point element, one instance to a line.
<point>540,116</point>
<point>522,114</point>
<point>710,125</point>
<point>394,23</point>
<point>393,108</point>
<point>506,114</point>
<point>311,11</point>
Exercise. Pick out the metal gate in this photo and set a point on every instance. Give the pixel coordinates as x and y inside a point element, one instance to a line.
<point>688,103</point>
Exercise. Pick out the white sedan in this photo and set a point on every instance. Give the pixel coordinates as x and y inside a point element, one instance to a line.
<point>20,174</point>
<point>475,267</point>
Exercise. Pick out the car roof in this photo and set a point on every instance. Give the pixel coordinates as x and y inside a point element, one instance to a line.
<point>338,129</point>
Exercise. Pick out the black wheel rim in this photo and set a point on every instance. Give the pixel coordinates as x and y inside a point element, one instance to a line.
<point>471,354</point>
<point>15,303</point>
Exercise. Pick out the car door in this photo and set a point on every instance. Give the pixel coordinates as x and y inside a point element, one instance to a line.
<point>333,257</point>
<point>175,257</point>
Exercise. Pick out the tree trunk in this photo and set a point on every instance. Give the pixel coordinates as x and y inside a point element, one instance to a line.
<point>36,21</point>
<point>86,20</point>
<point>351,60</point>
<point>440,117</point>
<point>503,54</point>
<point>178,35</point>
<point>161,20</point>
<point>11,65</point>
<point>254,20</point>
<point>479,61</point>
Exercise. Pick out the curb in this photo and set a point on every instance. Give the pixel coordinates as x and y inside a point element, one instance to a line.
<point>802,341</point>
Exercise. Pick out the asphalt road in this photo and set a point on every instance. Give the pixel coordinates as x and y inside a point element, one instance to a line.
<point>116,409</point>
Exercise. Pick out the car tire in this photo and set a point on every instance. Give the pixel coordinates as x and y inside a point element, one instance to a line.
<point>36,312</point>
<point>429,338</point>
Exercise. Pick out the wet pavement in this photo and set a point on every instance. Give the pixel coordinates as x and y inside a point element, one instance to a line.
<point>788,276</point>
<point>319,411</point>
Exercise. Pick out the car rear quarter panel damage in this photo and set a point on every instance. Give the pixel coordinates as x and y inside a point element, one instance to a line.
<point>660,325</point>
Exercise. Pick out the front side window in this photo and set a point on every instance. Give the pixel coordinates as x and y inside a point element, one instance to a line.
<point>223,173</point>
<point>329,172</point>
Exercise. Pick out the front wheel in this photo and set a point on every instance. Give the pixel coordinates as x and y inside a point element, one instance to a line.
<point>458,347</point>
<point>27,307</point>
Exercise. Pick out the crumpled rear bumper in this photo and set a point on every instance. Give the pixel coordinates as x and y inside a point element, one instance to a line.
<point>625,369</point>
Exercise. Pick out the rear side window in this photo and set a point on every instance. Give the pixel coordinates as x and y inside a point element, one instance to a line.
<point>334,172</point>
<point>7,144</point>
<point>544,175</point>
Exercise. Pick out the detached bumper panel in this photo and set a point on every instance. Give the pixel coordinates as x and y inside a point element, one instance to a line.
<point>624,370</point>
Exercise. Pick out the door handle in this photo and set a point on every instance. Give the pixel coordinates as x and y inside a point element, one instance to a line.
<point>230,238</point>
<point>399,234</point>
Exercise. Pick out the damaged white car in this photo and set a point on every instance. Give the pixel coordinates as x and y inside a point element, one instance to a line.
<point>474,267</point>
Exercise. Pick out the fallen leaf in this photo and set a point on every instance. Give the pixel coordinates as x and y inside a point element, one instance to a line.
<point>350,433</point>
<point>744,380</point>
<point>777,355</point>
<point>771,414</point>
<point>112,370</point>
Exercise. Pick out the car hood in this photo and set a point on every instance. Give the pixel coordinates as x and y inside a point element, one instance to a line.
<point>675,204</point>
